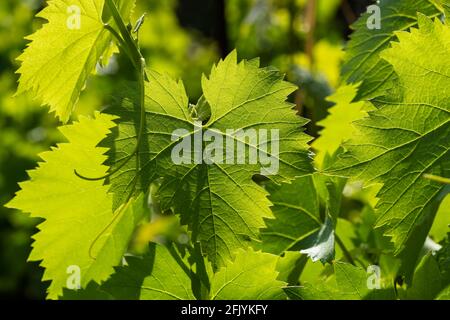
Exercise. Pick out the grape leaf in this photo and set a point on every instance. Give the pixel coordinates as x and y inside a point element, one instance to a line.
<point>362,61</point>
<point>427,282</point>
<point>80,228</point>
<point>91,292</point>
<point>63,53</point>
<point>308,291</point>
<point>351,281</point>
<point>297,215</point>
<point>441,224</point>
<point>156,276</point>
<point>219,202</point>
<point>407,136</point>
<point>251,276</point>
<point>347,283</point>
<point>290,266</point>
<point>299,223</point>
<point>443,258</point>
<point>337,126</point>
<point>415,246</point>
<point>444,294</point>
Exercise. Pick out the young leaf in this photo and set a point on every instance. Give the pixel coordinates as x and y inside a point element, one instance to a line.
<point>80,229</point>
<point>362,61</point>
<point>251,276</point>
<point>156,276</point>
<point>64,52</point>
<point>219,201</point>
<point>407,136</point>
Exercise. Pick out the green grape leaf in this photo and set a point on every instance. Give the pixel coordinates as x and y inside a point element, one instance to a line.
<point>441,224</point>
<point>251,276</point>
<point>64,52</point>
<point>297,215</point>
<point>407,136</point>
<point>351,281</point>
<point>215,196</point>
<point>443,258</point>
<point>156,276</point>
<point>427,282</point>
<point>347,283</point>
<point>320,246</point>
<point>308,291</point>
<point>80,230</point>
<point>415,246</point>
<point>362,61</point>
<point>290,266</point>
<point>337,126</point>
<point>91,292</point>
<point>299,223</point>
<point>444,294</point>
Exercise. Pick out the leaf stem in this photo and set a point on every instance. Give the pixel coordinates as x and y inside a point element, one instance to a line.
<point>174,253</point>
<point>131,48</point>
<point>437,178</point>
<point>121,42</point>
<point>200,279</point>
<point>141,80</point>
<point>125,33</point>
<point>347,254</point>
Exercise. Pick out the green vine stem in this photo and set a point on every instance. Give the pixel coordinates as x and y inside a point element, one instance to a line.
<point>131,48</point>
<point>345,251</point>
<point>130,43</point>
<point>437,178</point>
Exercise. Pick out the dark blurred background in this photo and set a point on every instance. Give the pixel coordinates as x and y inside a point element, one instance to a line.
<point>303,38</point>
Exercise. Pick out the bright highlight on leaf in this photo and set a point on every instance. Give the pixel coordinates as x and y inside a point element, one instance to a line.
<point>338,126</point>
<point>80,228</point>
<point>363,62</point>
<point>64,52</point>
<point>407,136</point>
